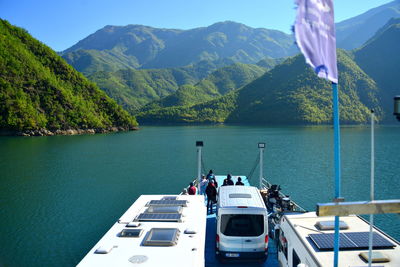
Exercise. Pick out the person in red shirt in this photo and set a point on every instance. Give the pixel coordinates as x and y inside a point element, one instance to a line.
<point>211,192</point>
<point>192,189</point>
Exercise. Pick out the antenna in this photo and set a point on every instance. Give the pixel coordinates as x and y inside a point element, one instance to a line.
<point>396,110</point>
<point>261,146</point>
<point>199,145</point>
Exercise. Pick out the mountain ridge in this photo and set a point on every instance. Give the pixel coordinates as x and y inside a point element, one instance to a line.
<point>354,32</point>
<point>137,46</point>
<point>145,47</point>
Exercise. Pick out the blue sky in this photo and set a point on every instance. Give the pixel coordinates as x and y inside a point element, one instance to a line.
<point>62,23</point>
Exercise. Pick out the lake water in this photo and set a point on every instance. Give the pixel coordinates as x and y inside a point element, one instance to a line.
<point>59,195</point>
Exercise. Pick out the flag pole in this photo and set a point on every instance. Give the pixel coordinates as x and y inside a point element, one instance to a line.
<point>336,127</point>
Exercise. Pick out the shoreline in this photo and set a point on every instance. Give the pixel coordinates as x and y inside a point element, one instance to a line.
<point>46,132</point>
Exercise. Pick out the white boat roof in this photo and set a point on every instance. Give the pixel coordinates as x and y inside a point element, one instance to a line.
<point>234,196</point>
<point>304,225</point>
<point>128,251</point>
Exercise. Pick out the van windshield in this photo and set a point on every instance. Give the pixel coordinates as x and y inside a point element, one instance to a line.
<point>242,224</point>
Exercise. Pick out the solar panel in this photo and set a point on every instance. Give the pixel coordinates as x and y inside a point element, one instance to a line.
<point>350,240</point>
<point>326,241</point>
<point>362,240</point>
<point>159,217</point>
<point>167,202</point>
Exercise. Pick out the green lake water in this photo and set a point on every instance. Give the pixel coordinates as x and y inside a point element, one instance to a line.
<point>59,195</point>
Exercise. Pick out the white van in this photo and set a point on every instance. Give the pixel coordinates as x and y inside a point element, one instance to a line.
<point>242,224</point>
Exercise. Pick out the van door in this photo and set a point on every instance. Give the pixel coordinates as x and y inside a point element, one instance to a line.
<point>244,231</point>
<point>229,240</point>
<point>253,231</point>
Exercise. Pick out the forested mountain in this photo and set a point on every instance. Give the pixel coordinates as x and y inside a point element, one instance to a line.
<point>177,86</point>
<point>133,88</point>
<point>288,94</point>
<point>354,32</point>
<point>136,46</point>
<point>217,84</point>
<point>380,59</point>
<point>41,94</point>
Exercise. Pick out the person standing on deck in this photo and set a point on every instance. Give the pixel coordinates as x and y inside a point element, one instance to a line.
<point>228,180</point>
<point>192,189</point>
<point>215,183</point>
<point>203,184</point>
<point>239,181</point>
<point>210,175</point>
<point>211,193</point>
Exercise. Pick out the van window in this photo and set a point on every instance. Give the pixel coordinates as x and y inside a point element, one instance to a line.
<point>242,224</point>
<point>296,259</point>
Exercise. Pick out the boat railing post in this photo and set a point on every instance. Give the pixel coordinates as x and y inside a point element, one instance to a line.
<point>261,147</point>
<point>199,145</point>
<point>371,216</point>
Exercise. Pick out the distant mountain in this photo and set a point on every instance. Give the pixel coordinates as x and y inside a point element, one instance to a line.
<point>354,32</point>
<point>40,94</point>
<point>288,94</point>
<point>218,83</point>
<point>380,59</point>
<point>133,88</point>
<point>136,46</point>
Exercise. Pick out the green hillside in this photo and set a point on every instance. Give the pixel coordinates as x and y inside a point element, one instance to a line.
<point>137,46</point>
<point>40,92</point>
<point>216,84</point>
<point>134,88</point>
<point>288,94</point>
<point>291,94</point>
<point>380,59</point>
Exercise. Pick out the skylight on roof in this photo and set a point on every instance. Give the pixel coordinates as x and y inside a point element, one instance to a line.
<point>330,225</point>
<point>163,237</point>
<point>159,217</point>
<point>168,203</point>
<point>131,233</point>
<point>164,209</point>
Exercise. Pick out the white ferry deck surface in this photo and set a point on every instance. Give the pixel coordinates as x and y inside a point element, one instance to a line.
<point>304,225</point>
<point>130,251</point>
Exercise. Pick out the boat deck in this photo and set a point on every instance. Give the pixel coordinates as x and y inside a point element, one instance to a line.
<point>165,239</point>
<point>211,260</point>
